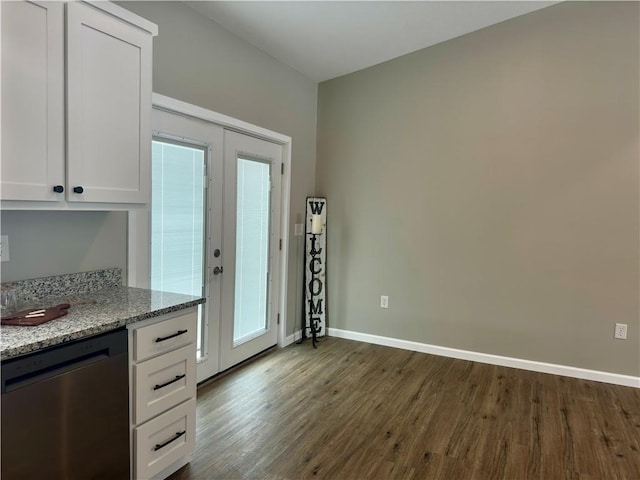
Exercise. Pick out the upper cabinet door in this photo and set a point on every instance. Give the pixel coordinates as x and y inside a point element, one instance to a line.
<point>32,141</point>
<point>108,108</point>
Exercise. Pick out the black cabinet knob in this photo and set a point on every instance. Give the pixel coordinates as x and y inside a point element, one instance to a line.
<point>58,189</point>
<point>78,189</point>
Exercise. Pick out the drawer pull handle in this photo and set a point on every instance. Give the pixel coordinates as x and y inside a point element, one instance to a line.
<point>162,385</point>
<point>177,436</point>
<point>178,333</point>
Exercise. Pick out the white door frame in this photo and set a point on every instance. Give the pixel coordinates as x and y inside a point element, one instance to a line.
<point>176,106</point>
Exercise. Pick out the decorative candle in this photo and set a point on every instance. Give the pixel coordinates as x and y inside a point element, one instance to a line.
<point>316,224</point>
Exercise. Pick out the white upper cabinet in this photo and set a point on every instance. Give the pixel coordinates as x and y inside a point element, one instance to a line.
<point>32,162</point>
<point>108,103</point>
<point>108,108</point>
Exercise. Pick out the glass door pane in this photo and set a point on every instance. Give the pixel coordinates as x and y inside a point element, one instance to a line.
<point>178,221</point>
<point>252,249</point>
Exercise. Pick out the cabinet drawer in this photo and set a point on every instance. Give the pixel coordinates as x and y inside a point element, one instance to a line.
<point>165,439</point>
<point>164,336</point>
<point>163,382</point>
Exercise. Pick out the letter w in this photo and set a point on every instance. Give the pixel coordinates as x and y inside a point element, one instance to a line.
<point>316,207</point>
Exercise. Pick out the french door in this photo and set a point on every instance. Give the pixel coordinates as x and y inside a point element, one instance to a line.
<point>186,221</point>
<point>251,246</point>
<point>215,218</point>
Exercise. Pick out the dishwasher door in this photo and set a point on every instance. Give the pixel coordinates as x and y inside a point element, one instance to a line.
<point>65,412</point>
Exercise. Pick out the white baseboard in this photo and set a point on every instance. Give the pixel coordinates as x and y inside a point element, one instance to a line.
<point>564,370</point>
<point>292,338</point>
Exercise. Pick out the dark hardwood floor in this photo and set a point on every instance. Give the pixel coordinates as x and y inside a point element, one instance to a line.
<point>351,410</point>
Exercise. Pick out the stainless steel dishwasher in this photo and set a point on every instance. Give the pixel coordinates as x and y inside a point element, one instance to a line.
<point>65,411</point>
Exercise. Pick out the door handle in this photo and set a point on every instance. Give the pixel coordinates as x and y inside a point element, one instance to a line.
<point>217,270</point>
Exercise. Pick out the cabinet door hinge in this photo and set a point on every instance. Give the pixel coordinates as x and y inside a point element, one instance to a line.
<point>278,319</point>
<point>282,169</point>
<point>280,244</point>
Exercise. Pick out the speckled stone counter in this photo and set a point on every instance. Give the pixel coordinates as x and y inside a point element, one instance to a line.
<point>59,285</point>
<point>90,314</point>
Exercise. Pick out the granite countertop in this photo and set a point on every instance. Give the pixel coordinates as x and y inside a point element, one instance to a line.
<point>90,314</point>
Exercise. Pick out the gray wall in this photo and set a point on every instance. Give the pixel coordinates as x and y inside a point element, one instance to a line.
<point>48,243</point>
<point>197,61</point>
<point>489,186</point>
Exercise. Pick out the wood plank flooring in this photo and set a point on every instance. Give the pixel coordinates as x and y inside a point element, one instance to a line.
<point>350,410</point>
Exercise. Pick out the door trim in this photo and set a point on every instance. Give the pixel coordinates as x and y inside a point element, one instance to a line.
<point>163,102</point>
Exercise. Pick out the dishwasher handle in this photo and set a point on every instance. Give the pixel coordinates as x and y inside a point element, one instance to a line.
<point>26,370</point>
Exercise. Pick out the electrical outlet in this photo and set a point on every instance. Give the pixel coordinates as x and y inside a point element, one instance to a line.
<point>621,331</point>
<point>384,301</point>
<point>298,229</point>
<point>4,248</point>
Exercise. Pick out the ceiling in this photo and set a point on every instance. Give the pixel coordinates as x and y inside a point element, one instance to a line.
<point>327,39</point>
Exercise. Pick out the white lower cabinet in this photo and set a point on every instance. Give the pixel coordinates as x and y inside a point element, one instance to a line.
<point>163,382</point>
<point>162,355</point>
<point>163,441</point>
<point>164,336</point>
